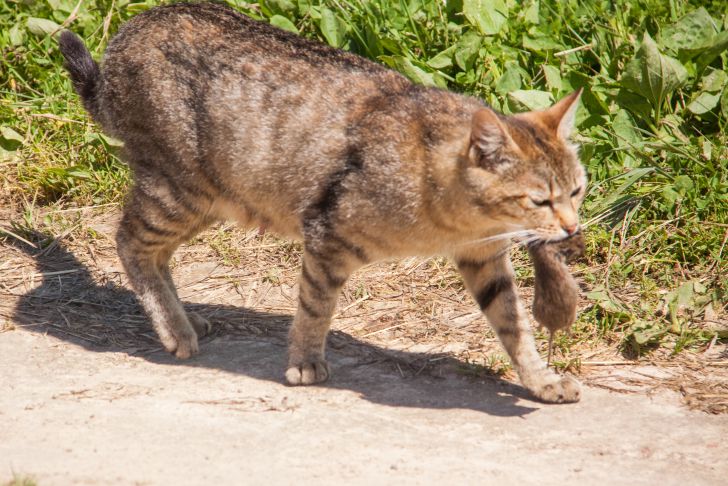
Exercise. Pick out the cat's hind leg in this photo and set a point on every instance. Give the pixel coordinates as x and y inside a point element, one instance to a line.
<point>201,325</point>
<point>150,230</point>
<point>490,279</point>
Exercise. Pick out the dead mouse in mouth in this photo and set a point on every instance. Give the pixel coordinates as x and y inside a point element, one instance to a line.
<point>556,293</point>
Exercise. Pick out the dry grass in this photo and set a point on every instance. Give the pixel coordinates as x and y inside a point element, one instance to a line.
<point>413,314</point>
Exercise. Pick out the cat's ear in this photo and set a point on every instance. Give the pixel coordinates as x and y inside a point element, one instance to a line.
<point>488,136</point>
<point>561,117</point>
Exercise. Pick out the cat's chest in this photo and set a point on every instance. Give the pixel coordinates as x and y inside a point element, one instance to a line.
<point>249,216</point>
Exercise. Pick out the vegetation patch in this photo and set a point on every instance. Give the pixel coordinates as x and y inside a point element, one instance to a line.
<point>652,127</point>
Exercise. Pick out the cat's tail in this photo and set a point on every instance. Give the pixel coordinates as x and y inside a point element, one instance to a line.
<point>84,71</point>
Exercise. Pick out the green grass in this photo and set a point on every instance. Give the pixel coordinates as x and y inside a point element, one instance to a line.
<point>21,481</point>
<point>652,124</point>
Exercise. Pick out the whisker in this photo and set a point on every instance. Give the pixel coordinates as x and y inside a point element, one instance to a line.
<point>500,236</point>
<point>528,241</point>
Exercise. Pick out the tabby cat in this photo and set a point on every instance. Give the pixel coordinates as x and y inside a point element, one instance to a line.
<point>223,117</point>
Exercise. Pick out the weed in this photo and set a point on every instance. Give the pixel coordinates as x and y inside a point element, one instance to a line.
<point>222,241</point>
<point>273,276</point>
<point>21,481</point>
<point>361,292</point>
<point>495,364</point>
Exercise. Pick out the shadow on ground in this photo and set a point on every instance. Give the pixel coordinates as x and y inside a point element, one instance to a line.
<point>72,305</point>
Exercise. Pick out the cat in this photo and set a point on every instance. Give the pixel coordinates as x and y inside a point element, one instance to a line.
<point>224,117</point>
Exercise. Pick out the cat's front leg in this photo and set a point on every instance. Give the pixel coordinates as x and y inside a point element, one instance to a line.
<point>490,279</point>
<point>323,274</point>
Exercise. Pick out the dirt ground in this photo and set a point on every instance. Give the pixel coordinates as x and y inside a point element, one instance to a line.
<point>420,392</point>
<point>74,415</point>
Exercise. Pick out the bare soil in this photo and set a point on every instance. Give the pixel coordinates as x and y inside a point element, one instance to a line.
<point>420,394</point>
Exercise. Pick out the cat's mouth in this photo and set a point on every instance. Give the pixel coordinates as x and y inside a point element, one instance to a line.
<point>563,237</point>
<point>555,237</point>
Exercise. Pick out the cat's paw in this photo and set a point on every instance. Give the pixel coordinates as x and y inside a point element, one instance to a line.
<point>307,373</point>
<point>187,346</point>
<point>185,342</point>
<point>182,344</point>
<point>565,390</point>
<point>201,325</point>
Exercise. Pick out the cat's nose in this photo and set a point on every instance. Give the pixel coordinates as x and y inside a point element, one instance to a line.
<point>570,228</point>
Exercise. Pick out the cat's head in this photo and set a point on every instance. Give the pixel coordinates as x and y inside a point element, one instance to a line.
<point>526,171</point>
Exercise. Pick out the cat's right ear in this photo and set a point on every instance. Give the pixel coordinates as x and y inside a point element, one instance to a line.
<point>489,137</point>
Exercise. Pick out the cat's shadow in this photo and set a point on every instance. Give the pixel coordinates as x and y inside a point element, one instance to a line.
<point>71,306</point>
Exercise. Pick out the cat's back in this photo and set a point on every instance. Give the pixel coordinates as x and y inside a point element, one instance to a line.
<point>174,70</point>
<point>210,40</point>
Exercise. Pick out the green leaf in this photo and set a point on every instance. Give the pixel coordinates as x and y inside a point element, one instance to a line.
<point>281,7</point>
<point>704,103</point>
<point>714,81</point>
<point>405,66</point>
<point>531,99</point>
<point>652,74</point>
<point>715,49</point>
<point>62,5</point>
<point>636,104</point>
<point>531,13</point>
<point>670,196</point>
<point>42,27</point>
<point>540,44</point>
<point>78,172</point>
<point>138,7</point>
<point>467,50</point>
<point>707,148</point>
<point>283,23</point>
<point>594,101</point>
<point>627,137</point>
<point>553,77</point>
<point>442,59</point>
<point>10,140</point>
<point>724,103</point>
<point>511,79</point>
<point>683,302</point>
<point>487,16</point>
<point>694,29</point>
<point>644,332</point>
<point>304,7</point>
<point>604,300</point>
<point>16,35</point>
<point>390,46</point>
<point>683,184</point>
<point>467,78</point>
<point>624,129</point>
<point>332,27</point>
<point>110,141</point>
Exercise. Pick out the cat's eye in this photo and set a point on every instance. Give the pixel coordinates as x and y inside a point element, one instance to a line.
<point>541,202</point>
<point>576,191</point>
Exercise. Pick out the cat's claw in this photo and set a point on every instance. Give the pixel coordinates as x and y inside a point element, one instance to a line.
<point>566,390</point>
<point>308,373</point>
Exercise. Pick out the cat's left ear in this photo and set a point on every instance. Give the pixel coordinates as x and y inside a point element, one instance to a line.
<point>561,117</point>
<point>489,138</point>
